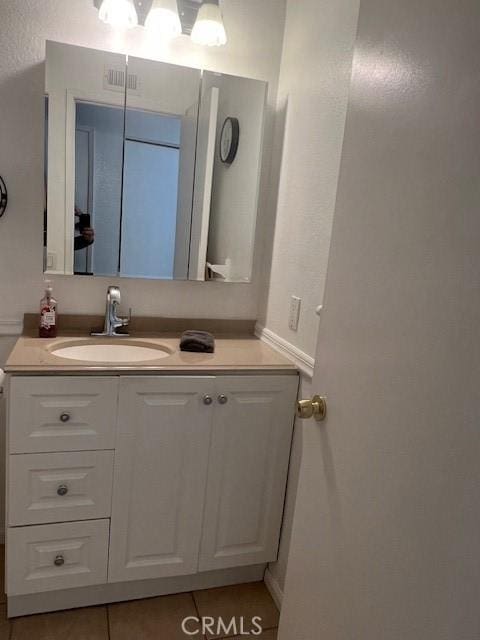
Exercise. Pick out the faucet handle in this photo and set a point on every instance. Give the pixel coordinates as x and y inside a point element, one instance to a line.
<point>125,320</point>
<point>113,294</point>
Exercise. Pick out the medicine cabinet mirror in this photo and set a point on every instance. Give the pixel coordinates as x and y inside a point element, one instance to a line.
<point>151,169</point>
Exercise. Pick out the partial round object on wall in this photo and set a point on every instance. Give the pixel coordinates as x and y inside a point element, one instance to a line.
<point>229,140</point>
<point>3,196</point>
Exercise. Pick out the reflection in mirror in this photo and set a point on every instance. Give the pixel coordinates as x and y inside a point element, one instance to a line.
<point>153,168</point>
<point>86,99</point>
<point>232,115</point>
<point>160,140</point>
<point>98,188</point>
<point>150,195</point>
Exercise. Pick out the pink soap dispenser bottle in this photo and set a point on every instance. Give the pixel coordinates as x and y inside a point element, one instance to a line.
<point>48,313</point>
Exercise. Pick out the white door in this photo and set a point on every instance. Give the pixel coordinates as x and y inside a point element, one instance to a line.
<point>252,432</point>
<point>386,534</point>
<point>159,476</point>
<point>149,216</point>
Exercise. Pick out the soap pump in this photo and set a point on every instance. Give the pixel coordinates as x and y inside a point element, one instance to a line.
<point>48,313</point>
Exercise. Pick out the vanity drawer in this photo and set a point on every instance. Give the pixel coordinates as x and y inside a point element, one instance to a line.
<point>56,556</point>
<point>58,487</point>
<point>61,414</point>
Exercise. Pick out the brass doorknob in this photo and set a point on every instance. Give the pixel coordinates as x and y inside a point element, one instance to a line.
<point>314,408</point>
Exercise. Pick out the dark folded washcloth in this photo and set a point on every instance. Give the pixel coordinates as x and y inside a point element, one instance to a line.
<point>197,341</point>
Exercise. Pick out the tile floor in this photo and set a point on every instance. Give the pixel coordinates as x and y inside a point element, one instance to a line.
<point>152,619</point>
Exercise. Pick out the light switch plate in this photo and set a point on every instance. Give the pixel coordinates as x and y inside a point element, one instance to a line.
<point>294,315</point>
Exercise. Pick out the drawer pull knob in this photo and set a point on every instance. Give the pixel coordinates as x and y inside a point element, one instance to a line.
<point>222,399</point>
<point>59,561</point>
<point>62,490</point>
<point>207,400</point>
<point>65,417</point>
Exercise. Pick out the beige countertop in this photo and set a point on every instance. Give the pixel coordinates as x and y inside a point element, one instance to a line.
<point>233,354</point>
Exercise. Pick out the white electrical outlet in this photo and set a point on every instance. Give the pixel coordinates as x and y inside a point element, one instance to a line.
<point>294,316</point>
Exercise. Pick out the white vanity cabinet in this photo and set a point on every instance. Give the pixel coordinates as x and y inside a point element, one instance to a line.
<point>124,479</point>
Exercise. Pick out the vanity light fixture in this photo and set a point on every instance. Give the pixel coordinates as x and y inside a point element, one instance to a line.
<point>119,13</point>
<point>209,29</point>
<point>200,19</point>
<point>163,19</point>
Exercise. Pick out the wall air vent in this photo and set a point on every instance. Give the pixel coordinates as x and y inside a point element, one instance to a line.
<point>132,82</point>
<point>114,80</point>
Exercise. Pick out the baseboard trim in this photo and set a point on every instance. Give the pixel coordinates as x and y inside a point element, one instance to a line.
<point>303,361</point>
<point>274,588</point>
<point>10,327</point>
<point>123,591</point>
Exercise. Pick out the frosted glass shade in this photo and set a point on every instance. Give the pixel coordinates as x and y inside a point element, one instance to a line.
<point>209,29</point>
<point>119,13</point>
<point>163,19</point>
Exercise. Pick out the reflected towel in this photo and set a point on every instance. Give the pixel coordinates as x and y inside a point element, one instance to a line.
<point>197,341</point>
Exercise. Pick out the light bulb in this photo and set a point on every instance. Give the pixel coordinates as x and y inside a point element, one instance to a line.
<point>209,29</point>
<point>163,19</point>
<point>119,13</point>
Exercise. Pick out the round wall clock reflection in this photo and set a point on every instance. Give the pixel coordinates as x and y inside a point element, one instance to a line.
<point>229,139</point>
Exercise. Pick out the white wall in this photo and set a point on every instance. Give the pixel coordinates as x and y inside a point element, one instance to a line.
<point>255,33</point>
<point>313,93</point>
<point>312,96</point>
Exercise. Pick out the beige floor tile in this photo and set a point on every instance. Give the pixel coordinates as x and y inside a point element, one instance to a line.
<point>3,597</point>
<point>5,625</point>
<point>244,600</point>
<point>78,624</point>
<point>152,619</point>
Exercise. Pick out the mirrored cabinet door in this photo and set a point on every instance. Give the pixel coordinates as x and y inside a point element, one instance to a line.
<point>159,164</point>
<point>85,100</point>
<point>239,124</point>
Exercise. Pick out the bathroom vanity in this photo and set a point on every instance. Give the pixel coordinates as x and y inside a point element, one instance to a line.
<point>128,480</point>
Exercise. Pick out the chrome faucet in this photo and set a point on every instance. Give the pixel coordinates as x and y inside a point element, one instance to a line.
<point>112,321</point>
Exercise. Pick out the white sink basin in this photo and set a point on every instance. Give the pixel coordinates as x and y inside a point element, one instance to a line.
<point>124,352</point>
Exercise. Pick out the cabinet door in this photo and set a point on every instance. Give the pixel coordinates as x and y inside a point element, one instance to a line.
<point>159,476</point>
<point>248,469</point>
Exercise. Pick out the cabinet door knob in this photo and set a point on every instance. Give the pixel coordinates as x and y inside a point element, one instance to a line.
<point>59,561</point>
<point>65,417</point>
<point>207,400</point>
<point>222,399</point>
<point>62,490</point>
